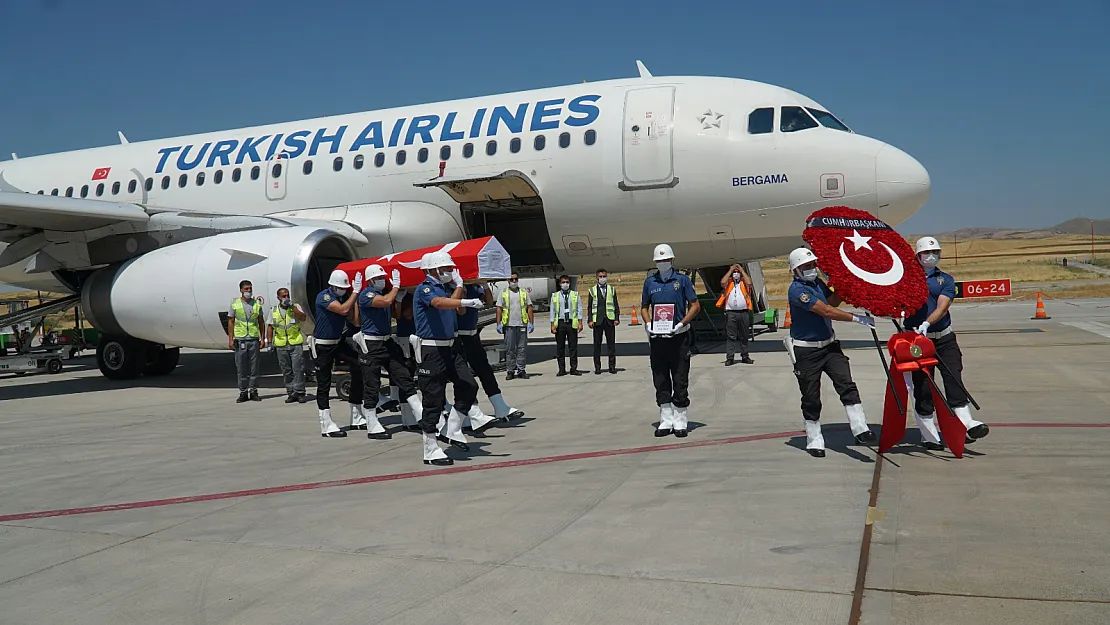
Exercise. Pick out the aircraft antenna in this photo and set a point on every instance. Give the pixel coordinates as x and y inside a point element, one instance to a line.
<point>15,157</point>
<point>122,139</point>
<point>644,73</point>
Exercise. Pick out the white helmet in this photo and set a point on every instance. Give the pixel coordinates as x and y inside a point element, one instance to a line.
<point>927,244</point>
<point>339,279</point>
<point>435,260</point>
<point>374,271</point>
<point>663,252</point>
<point>800,257</point>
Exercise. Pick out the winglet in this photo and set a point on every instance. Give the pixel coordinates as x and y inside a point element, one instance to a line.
<point>644,73</point>
<point>122,139</point>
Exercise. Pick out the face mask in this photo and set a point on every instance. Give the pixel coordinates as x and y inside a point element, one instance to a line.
<point>602,280</point>
<point>564,286</point>
<point>246,294</point>
<point>338,292</point>
<point>378,283</point>
<point>514,285</point>
<point>809,275</point>
<point>928,261</point>
<point>736,277</point>
<point>664,268</point>
<point>285,303</point>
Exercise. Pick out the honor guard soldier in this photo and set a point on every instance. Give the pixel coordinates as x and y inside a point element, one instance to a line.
<point>814,349</point>
<point>566,325</point>
<point>379,352</point>
<point>669,298</point>
<point>333,308</point>
<point>470,343</point>
<point>287,341</point>
<point>934,321</point>
<point>412,410</point>
<point>604,318</point>
<point>245,335</point>
<point>438,362</point>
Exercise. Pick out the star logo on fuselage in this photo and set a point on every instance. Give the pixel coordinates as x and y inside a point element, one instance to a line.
<point>709,119</point>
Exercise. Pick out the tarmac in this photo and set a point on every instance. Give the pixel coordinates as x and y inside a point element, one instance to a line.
<point>164,501</point>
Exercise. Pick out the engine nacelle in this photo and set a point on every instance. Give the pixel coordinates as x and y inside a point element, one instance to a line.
<point>179,295</point>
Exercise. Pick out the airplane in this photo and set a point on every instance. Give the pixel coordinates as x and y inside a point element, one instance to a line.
<point>155,235</point>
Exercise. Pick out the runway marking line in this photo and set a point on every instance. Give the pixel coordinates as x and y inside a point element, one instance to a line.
<point>391,477</point>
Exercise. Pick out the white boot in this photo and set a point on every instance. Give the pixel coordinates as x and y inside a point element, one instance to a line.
<point>858,422</point>
<point>815,442</point>
<point>432,453</point>
<point>975,429</point>
<point>503,411</point>
<point>328,428</point>
<point>928,427</point>
<point>375,429</point>
<point>453,427</point>
<point>412,411</point>
<point>478,421</point>
<point>680,421</point>
<point>666,420</point>
<point>358,418</point>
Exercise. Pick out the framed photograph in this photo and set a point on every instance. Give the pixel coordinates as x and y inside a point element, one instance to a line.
<point>662,318</point>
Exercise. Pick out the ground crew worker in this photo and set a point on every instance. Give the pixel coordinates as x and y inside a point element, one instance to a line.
<point>438,362</point>
<point>333,313</point>
<point>379,351</point>
<point>287,341</point>
<point>604,318</point>
<point>814,349</point>
<point>470,343</point>
<point>736,300</point>
<point>934,321</point>
<point>566,325</point>
<point>514,315</point>
<point>402,312</point>
<point>670,350</point>
<point>245,335</point>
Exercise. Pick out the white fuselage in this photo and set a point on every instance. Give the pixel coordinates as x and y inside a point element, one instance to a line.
<point>672,161</point>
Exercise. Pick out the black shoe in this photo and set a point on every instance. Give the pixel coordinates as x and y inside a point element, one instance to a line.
<point>661,433</point>
<point>597,371</point>
<point>968,440</point>
<point>816,453</point>
<point>440,462</point>
<point>561,373</point>
<point>978,431</point>
<point>613,370</point>
<point>729,362</point>
<point>522,375</point>
<point>453,443</point>
<point>292,399</point>
<point>508,376</point>
<point>681,433</point>
<point>389,406</point>
<point>302,399</point>
<point>242,398</point>
<point>255,397</point>
<point>933,446</point>
<point>747,360</point>
<point>575,372</point>
<point>339,434</point>
<point>866,438</point>
<point>380,436</point>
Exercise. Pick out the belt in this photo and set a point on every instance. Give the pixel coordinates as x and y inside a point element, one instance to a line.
<point>468,332</point>
<point>937,335</point>
<point>437,342</point>
<point>374,337</point>
<point>824,343</point>
<point>327,341</point>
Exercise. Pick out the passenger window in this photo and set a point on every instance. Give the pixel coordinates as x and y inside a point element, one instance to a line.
<point>85,191</point>
<point>794,118</point>
<point>514,145</point>
<point>359,161</point>
<point>422,155</point>
<point>828,120</point>
<point>401,156</point>
<point>255,172</point>
<point>165,182</point>
<point>132,186</point>
<point>275,171</point>
<point>149,184</point>
<point>539,142</point>
<point>445,153</point>
<point>54,192</point>
<point>236,174</point>
<point>306,169</point>
<point>115,188</point>
<point>564,139</point>
<point>468,150</point>
<point>41,192</point>
<point>69,192</point>
<point>491,148</point>
<point>590,137</point>
<point>100,189</point>
<point>761,121</point>
<point>218,177</point>
<point>182,180</point>
<point>337,164</point>
<point>379,159</point>
<point>200,179</point>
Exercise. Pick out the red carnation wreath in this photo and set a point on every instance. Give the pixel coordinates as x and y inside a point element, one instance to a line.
<point>869,265</point>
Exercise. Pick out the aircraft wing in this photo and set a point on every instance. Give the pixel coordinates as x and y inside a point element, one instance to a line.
<point>64,214</point>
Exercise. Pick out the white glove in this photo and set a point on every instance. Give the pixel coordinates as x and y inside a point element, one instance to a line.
<point>472,303</point>
<point>923,328</point>
<point>865,320</point>
<point>395,278</point>
<point>356,286</point>
<point>647,328</point>
<point>456,278</point>
<point>677,327</point>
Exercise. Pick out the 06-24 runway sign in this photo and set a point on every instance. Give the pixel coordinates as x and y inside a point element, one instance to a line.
<point>983,288</point>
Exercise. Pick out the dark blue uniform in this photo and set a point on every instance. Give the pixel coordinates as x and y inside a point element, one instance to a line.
<point>471,344</point>
<point>334,329</point>
<point>948,350</point>
<point>670,356</point>
<point>810,362</point>
<point>382,353</point>
<point>439,364</point>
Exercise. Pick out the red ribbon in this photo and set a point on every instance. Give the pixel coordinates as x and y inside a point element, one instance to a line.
<point>910,352</point>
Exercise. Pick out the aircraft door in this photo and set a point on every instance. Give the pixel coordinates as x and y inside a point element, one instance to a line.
<point>277,171</point>
<point>647,146</point>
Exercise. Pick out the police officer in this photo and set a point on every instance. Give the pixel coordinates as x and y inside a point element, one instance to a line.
<point>375,344</point>
<point>246,335</point>
<point>470,343</point>
<point>670,350</point>
<point>934,321</point>
<point>814,349</point>
<point>287,341</point>
<point>412,410</point>
<point>438,362</point>
<point>333,311</point>
<point>605,316</point>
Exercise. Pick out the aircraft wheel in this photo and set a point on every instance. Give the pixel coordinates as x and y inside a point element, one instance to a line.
<point>120,357</point>
<point>162,361</point>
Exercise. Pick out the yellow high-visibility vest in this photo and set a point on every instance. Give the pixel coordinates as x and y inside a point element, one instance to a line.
<point>610,300</point>
<point>287,330</point>
<point>246,325</point>
<point>505,306</point>
<point>558,314</point>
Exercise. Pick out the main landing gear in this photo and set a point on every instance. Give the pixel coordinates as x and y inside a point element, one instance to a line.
<point>126,358</point>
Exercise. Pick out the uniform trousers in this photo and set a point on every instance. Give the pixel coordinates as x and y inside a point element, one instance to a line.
<point>385,355</point>
<point>475,354</point>
<point>670,369</point>
<point>246,363</point>
<point>566,339</point>
<point>605,328</point>
<point>291,360</point>
<point>437,367</point>
<point>516,343</point>
<point>811,362</point>
<point>948,352</point>
<point>326,356</point>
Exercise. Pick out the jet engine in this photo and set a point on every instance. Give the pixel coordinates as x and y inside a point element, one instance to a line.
<point>179,295</point>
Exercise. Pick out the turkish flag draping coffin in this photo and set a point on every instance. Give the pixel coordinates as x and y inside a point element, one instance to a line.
<point>478,260</point>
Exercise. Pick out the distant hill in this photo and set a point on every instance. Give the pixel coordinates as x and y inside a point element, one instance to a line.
<point>1079,225</point>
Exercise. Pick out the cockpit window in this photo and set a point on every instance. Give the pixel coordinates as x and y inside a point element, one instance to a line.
<point>761,121</point>
<point>828,120</point>
<point>794,118</point>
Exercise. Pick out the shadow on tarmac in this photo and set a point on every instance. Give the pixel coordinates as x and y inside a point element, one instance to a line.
<point>839,439</point>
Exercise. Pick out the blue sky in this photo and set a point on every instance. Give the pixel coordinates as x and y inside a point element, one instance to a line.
<point>1004,102</point>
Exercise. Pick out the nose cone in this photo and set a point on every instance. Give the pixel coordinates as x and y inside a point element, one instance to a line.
<point>902,184</point>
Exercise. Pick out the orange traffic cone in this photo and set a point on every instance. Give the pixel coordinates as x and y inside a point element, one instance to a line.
<point>1040,314</point>
<point>635,319</point>
<point>786,323</point>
